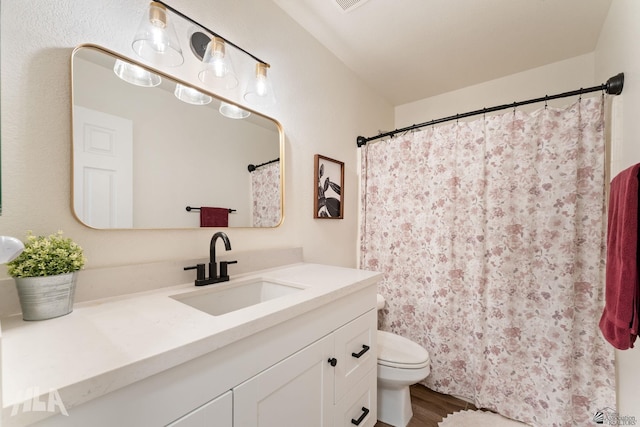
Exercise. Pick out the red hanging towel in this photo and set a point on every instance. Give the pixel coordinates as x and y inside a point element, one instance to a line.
<point>619,321</point>
<point>214,217</point>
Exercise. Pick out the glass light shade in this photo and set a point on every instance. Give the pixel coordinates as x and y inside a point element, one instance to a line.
<point>218,69</point>
<point>232,111</point>
<point>190,95</point>
<point>135,75</point>
<point>156,39</point>
<point>10,248</point>
<point>260,90</point>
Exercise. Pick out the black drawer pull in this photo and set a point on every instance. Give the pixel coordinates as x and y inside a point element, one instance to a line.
<point>364,414</point>
<point>365,348</point>
<point>333,361</point>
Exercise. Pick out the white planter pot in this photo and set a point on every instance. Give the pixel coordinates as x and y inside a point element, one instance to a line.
<point>46,297</point>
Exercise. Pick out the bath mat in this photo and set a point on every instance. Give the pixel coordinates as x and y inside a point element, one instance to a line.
<point>478,419</point>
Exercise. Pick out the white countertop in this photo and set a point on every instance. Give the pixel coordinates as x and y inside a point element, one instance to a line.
<point>107,344</point>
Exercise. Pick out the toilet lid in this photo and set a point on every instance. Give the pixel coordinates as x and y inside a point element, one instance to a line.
<point>400,352</point>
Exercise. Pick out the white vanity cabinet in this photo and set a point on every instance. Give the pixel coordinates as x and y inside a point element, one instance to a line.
<point>330,382</point>
<point>314,368</point>
<point>295,392</point>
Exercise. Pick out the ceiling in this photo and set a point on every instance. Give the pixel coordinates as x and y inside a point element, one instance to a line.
<point>413,49</point>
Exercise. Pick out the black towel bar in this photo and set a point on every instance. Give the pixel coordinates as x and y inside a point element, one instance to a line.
<point>189,209</point>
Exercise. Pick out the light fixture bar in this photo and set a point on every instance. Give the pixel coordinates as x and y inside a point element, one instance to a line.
<point>182,15</point>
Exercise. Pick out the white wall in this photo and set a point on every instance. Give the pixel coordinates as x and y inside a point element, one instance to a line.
<point>618,51</point>
<point>321,105</point>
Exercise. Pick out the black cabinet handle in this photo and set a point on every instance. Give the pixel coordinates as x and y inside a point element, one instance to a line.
<point>333,361</point>
<point>364,414</point>
<point>365,348</point>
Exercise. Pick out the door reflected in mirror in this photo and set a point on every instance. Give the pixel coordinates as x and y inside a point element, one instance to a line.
<point>141,156</point>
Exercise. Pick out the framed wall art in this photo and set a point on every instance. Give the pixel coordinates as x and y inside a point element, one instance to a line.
<point>329,182</point>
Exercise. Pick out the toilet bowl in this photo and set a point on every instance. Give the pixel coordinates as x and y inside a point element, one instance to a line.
<point>401,363</point>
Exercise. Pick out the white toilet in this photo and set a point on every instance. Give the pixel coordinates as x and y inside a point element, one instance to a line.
<point>401,363</point>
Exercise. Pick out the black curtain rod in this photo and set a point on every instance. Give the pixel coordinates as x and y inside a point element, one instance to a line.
<point>613,86</point>
<point>251,168</point>
<point>213,33</point>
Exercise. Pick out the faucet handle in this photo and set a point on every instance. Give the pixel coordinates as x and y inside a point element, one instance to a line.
<point>199,270</point>
<point>223,267</point>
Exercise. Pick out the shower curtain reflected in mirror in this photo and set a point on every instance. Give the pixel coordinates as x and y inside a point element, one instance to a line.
<point>265,191</point>
<point>491,237</point>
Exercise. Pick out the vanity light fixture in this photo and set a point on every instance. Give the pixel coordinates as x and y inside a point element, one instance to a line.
<point>218,68</point>
<point>260,91</point>
<point>156,39</point>
<point>135,74</point>
<point>191,96</point>
<point>233,111</point>
<point>209,47</point>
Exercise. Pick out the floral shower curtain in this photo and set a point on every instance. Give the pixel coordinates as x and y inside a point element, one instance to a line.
<point>491,236</point>
<point>265,191</point>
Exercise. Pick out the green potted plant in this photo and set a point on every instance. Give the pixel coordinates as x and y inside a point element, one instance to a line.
<point>45,275</point>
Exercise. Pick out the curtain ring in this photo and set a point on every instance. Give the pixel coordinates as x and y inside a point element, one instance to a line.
<point>546,103</point>
<point>515,105</point>
<point>580,97</point>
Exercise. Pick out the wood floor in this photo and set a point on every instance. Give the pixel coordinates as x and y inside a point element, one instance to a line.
<point>430,407</point>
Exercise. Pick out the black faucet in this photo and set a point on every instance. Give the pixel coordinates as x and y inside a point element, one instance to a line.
<point>213,266</point>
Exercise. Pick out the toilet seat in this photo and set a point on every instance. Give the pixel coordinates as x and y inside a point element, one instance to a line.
<point>399,352</point>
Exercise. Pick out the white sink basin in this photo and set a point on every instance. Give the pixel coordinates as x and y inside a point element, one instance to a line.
<point>224,298</point>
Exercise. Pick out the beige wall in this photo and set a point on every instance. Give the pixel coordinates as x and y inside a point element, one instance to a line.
<point>559,77</point>
<point>321,105</point>
<point>618,51</point>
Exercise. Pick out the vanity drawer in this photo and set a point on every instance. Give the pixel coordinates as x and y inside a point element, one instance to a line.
<point>359,406</point>
<point>355,350</point>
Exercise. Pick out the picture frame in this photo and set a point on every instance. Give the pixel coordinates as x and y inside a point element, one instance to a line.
<point>329,183</point>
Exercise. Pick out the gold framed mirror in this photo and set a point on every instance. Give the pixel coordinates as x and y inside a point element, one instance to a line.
<point>142,158</point>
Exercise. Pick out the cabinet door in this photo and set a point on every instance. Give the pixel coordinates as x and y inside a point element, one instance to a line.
<point>356,352</point>
<point>216,413</point>
<point>295,392</point>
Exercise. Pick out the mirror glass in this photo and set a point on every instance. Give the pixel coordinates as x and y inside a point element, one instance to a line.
<point>142,158</point>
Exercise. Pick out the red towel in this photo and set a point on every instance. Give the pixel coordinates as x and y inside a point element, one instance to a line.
<point>214,217</point>
<point>619,321</point>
